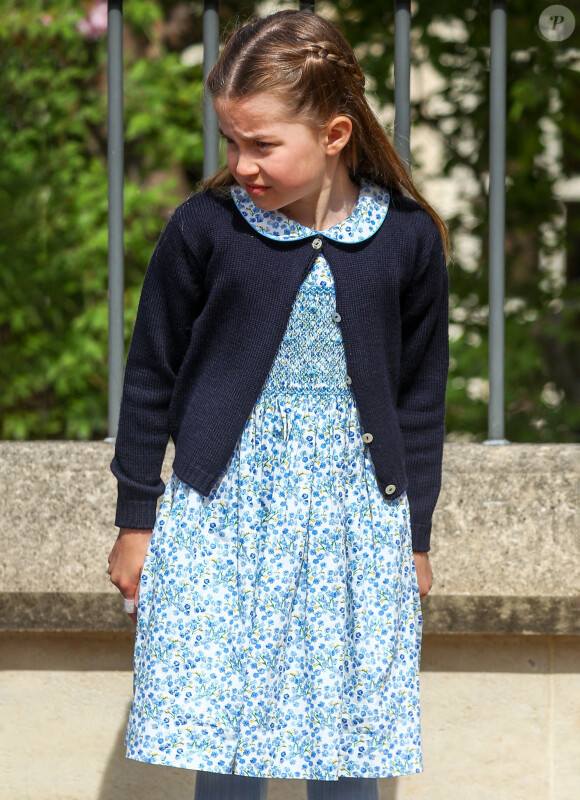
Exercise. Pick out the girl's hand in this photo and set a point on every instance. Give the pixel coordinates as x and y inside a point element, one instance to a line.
<point>126,562</point>
<point>424,573</point>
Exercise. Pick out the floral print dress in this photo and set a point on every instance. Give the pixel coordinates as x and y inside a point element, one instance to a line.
<point>279,623</point>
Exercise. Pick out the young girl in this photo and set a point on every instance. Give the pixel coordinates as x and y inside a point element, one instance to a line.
<point>292,340</point>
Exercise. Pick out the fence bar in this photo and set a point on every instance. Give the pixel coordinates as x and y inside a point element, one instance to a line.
<point>497,135</point>
<point>306,5</point>
<point>115,180</point>
<point>211,35</point>
<point>403,79</point>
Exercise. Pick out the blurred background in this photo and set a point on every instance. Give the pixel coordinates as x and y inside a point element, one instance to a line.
<point>53,193</point>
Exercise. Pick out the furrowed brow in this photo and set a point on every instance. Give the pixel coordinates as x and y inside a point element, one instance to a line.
<point>253,137</point>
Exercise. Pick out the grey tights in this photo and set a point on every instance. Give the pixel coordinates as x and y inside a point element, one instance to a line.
<point>215,786</point>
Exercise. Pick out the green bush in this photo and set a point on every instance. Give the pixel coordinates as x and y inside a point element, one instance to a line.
<point>53,194</point>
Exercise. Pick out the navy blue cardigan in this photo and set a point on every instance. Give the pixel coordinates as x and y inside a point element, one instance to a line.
<point>215,303</point>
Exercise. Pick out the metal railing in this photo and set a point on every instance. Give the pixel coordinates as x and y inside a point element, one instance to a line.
<point>496,417</point>
<point>403,79</point>
<point>497,134</point>
<point>116,178</point>
<point>211,36</point>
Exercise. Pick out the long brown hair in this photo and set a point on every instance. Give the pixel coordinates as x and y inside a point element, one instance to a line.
<point>304,59</point>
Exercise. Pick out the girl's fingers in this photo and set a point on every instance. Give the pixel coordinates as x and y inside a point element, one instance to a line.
<point>136,603</point>
<point>126,561</point>
<point>126,564</point>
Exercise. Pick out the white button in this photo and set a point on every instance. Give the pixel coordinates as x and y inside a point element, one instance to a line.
<point>390,489</point>
<point>348,380</point>
<point>367,438</point>
<point>336,317</point>
<point>317,244</point>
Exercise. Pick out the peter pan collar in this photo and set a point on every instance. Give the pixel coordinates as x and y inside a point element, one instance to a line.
<point>365,219</point>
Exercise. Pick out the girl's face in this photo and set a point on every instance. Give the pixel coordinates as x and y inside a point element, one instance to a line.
<point>282,163</point>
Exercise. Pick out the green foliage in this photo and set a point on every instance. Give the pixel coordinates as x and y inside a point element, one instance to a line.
<point>53,195</point>
<point>542,309</point>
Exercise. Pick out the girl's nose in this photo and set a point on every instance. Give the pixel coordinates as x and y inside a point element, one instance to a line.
<point>246,165</point>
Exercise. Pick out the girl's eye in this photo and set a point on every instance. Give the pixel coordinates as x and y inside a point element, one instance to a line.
<point>262,145</point>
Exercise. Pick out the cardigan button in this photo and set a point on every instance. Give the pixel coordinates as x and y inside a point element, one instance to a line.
<point>336,317</point>
<point>317,243</point>
<point>348,380</point>
<point>390,489</point>
<point>367,438</point>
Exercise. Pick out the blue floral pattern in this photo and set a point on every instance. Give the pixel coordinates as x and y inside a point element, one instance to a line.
<point>279,624</point>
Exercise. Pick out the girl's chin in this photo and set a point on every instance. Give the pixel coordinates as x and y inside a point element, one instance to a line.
<point>264,202</point>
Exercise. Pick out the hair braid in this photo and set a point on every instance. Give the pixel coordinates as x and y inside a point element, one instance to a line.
<point>325,51</point>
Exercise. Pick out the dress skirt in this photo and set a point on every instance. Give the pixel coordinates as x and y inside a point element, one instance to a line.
<point>279,623</point>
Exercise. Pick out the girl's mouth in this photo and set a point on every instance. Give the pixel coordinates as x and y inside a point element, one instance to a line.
<point>252,188</point>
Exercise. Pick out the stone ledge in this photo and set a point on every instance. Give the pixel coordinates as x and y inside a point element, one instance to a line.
<point>443,614</point>
<point>463,614</point>
<point>506,542</point>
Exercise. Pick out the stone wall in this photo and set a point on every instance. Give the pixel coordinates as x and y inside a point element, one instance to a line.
<point>501,654</point>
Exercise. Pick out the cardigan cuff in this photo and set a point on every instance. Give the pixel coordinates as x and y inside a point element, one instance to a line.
<point>139,514</point>
<point>421,535</point>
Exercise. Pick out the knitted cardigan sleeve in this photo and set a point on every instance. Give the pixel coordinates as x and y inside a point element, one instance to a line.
<point>170,301</point>
<point>424,367</point>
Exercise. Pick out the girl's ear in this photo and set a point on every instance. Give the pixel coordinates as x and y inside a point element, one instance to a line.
<point>337,134</point>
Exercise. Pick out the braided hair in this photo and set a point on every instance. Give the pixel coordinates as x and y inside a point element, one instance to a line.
<point>306,61</point>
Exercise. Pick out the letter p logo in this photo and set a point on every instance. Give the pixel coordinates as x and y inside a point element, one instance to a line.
<point>556,23</point>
